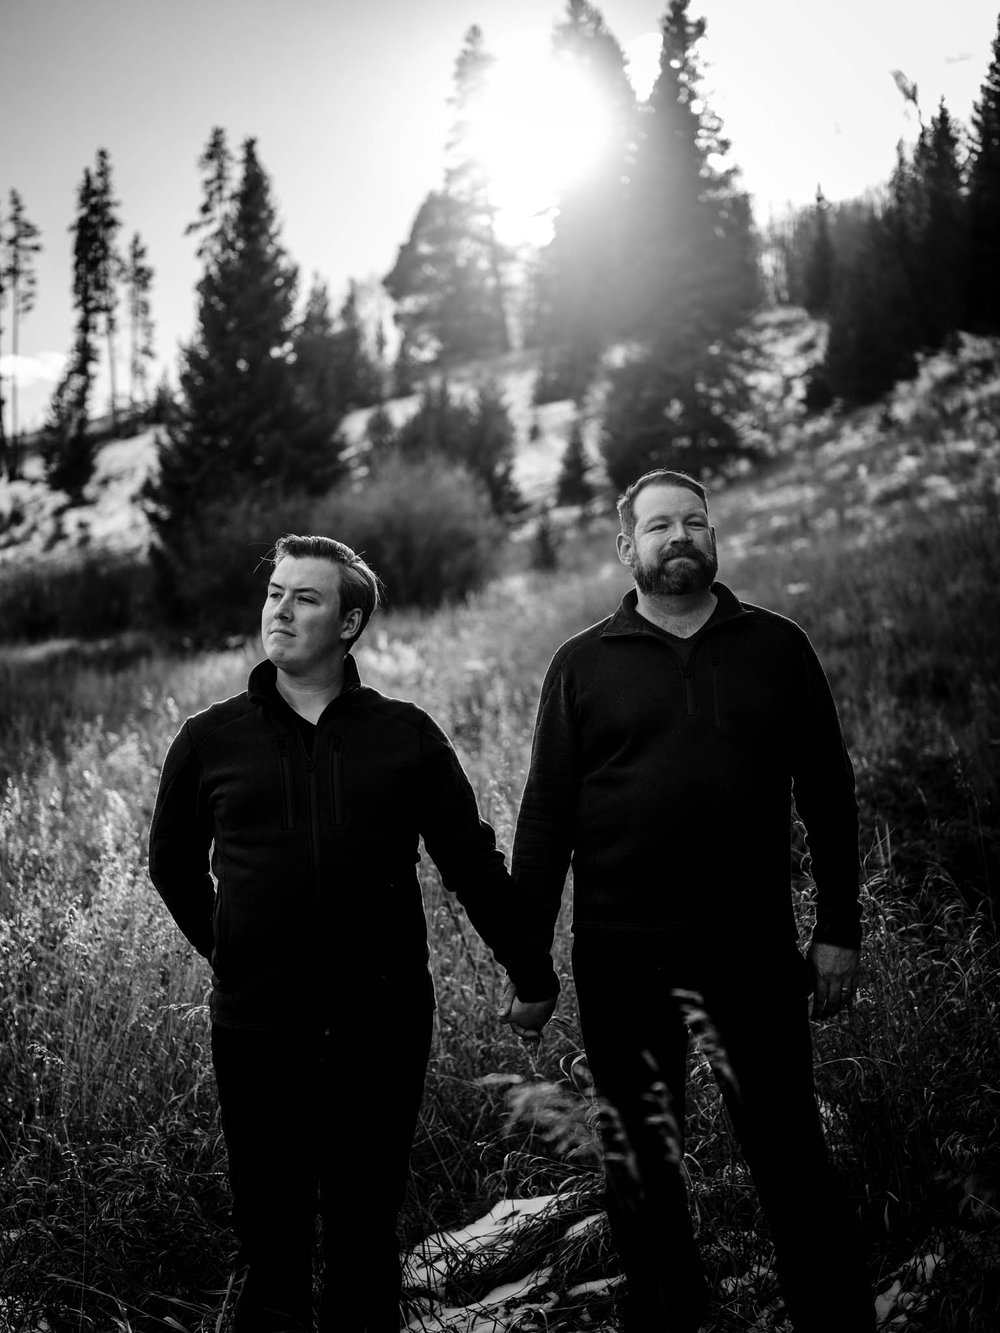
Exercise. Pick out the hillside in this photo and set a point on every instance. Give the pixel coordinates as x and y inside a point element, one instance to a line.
<point>934,441</point>
<point>37,523</point>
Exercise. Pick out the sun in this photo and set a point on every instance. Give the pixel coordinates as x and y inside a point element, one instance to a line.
<point>538,126</point>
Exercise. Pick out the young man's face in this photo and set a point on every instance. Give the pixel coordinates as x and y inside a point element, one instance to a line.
<point>301,626</point>
<point>672,550</point>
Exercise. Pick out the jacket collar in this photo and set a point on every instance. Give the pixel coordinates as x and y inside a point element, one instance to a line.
<point>626,620</point>
<point>262,682</point>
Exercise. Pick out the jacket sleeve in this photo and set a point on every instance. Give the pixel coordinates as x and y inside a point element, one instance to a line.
<point>463,847</point>
<point>824,793</point>
<point>544,836</point>
<point>180,839</point>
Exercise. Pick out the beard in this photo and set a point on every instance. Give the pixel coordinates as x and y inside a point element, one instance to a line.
<point>667,576</point>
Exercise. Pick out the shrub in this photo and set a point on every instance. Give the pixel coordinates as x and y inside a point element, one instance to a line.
<point>84,596</point>
<point>425,525</point>
<point>209,582</point>
<point>659,416</point>
<point>478,436</point>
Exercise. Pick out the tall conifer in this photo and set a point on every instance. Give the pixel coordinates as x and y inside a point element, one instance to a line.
<point>107,263</point>
<point>693,280</point>
<point>982,285</point>
<point>19,244</point>
<point>139,280</point>
<point>240,428</point>
<point>941,247</point>
<point>580,270</point>
<point>448,281</point>
<point>818,276</point>
<point>69,449</point>
<point>872,319</point>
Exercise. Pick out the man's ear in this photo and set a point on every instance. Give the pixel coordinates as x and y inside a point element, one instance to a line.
<point>625,549</point>
<point>351,623</point>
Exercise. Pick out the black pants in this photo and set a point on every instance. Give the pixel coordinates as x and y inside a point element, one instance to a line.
<point>635,1035</point>
<point>322,1123</point>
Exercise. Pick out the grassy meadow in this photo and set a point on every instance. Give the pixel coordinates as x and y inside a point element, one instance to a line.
<point>113,1205</point>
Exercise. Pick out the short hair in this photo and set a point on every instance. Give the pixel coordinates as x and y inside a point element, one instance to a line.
<point>360,586</point>
<point>660,476</point>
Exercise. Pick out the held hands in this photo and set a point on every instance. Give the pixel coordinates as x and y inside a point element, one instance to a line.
<point>835,975</point>
<point>526,1019</point>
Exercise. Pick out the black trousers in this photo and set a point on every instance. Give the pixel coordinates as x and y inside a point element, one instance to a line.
<point>321,1123</point>
<point>636,1036</point>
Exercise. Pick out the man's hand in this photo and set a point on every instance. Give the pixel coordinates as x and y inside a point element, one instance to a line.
<point>835,971</point>
<point>527,1020</point>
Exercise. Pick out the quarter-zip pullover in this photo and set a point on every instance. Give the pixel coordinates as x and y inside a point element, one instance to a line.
<point>666,779</point>
<point>292,868</point>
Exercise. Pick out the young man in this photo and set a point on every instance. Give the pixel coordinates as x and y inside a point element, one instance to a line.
<point>668,744</point>
<point>284,842</point>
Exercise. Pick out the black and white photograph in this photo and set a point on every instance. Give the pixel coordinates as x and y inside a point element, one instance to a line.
<point>499,666</point>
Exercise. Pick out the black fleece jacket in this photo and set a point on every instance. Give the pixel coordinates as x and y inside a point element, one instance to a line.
<point>668,783</point>
<point>313,888</point>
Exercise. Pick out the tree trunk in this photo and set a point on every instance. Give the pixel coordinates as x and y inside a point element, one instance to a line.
<point>111,370</point>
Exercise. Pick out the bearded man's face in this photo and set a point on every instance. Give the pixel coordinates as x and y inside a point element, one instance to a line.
<point>672,550</point>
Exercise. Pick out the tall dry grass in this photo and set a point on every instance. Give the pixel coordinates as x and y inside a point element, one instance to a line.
<point>113,1200</point>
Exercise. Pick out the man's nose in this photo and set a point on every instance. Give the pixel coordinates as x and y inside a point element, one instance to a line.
<point>283,610</point>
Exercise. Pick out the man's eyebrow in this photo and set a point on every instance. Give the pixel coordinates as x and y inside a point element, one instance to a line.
<point>280,587</point>
<point>694,511</point>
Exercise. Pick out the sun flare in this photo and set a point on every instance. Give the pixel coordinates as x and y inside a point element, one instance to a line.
<point>537,127</point>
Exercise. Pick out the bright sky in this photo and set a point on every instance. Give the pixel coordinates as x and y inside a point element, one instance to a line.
<point>348,102</point>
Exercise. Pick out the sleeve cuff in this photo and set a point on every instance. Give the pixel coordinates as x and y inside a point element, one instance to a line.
<point>535,980</point>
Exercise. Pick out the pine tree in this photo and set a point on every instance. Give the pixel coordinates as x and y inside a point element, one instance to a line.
<point>68,446</point>
<point>819,268</point>
<point>478,436</point>
<point>546,542</point>
<point>358,374</point>
<point>241,427</point>
<point>4,451</point>
<point>466,180</point>
<point>334,372</point>
<point>318,375</point>
<point>448,279</point>
<point>573,488</point>
<point>19,244</point>
<point>941,247</point>
<point>579,277</point>
<point>871,344</point>
<point>693,281</point>
<point>694,273</point>
<point>381,435</point>
<point>214,214</point>
<point>982,285</point>
<point>139,280</point>
<point>107,263</point>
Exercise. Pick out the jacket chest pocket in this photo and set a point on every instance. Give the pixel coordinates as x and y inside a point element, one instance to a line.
<point>337,778</point>
<point>287,784</point>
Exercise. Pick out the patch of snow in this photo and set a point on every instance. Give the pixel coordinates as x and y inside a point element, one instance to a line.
<point>36,521</point>
<point>907,1294</point>
<point>598,1286</point>
<point>428,1265</point>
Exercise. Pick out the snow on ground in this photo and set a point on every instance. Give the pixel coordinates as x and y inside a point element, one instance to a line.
<point>541,432</point>
<point>36,521</point>
<point>534,1300</point>
<point>932,442</point>
<point>481,1249</point>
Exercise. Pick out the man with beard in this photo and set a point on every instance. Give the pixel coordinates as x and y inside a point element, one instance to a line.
<point>668,743</point>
